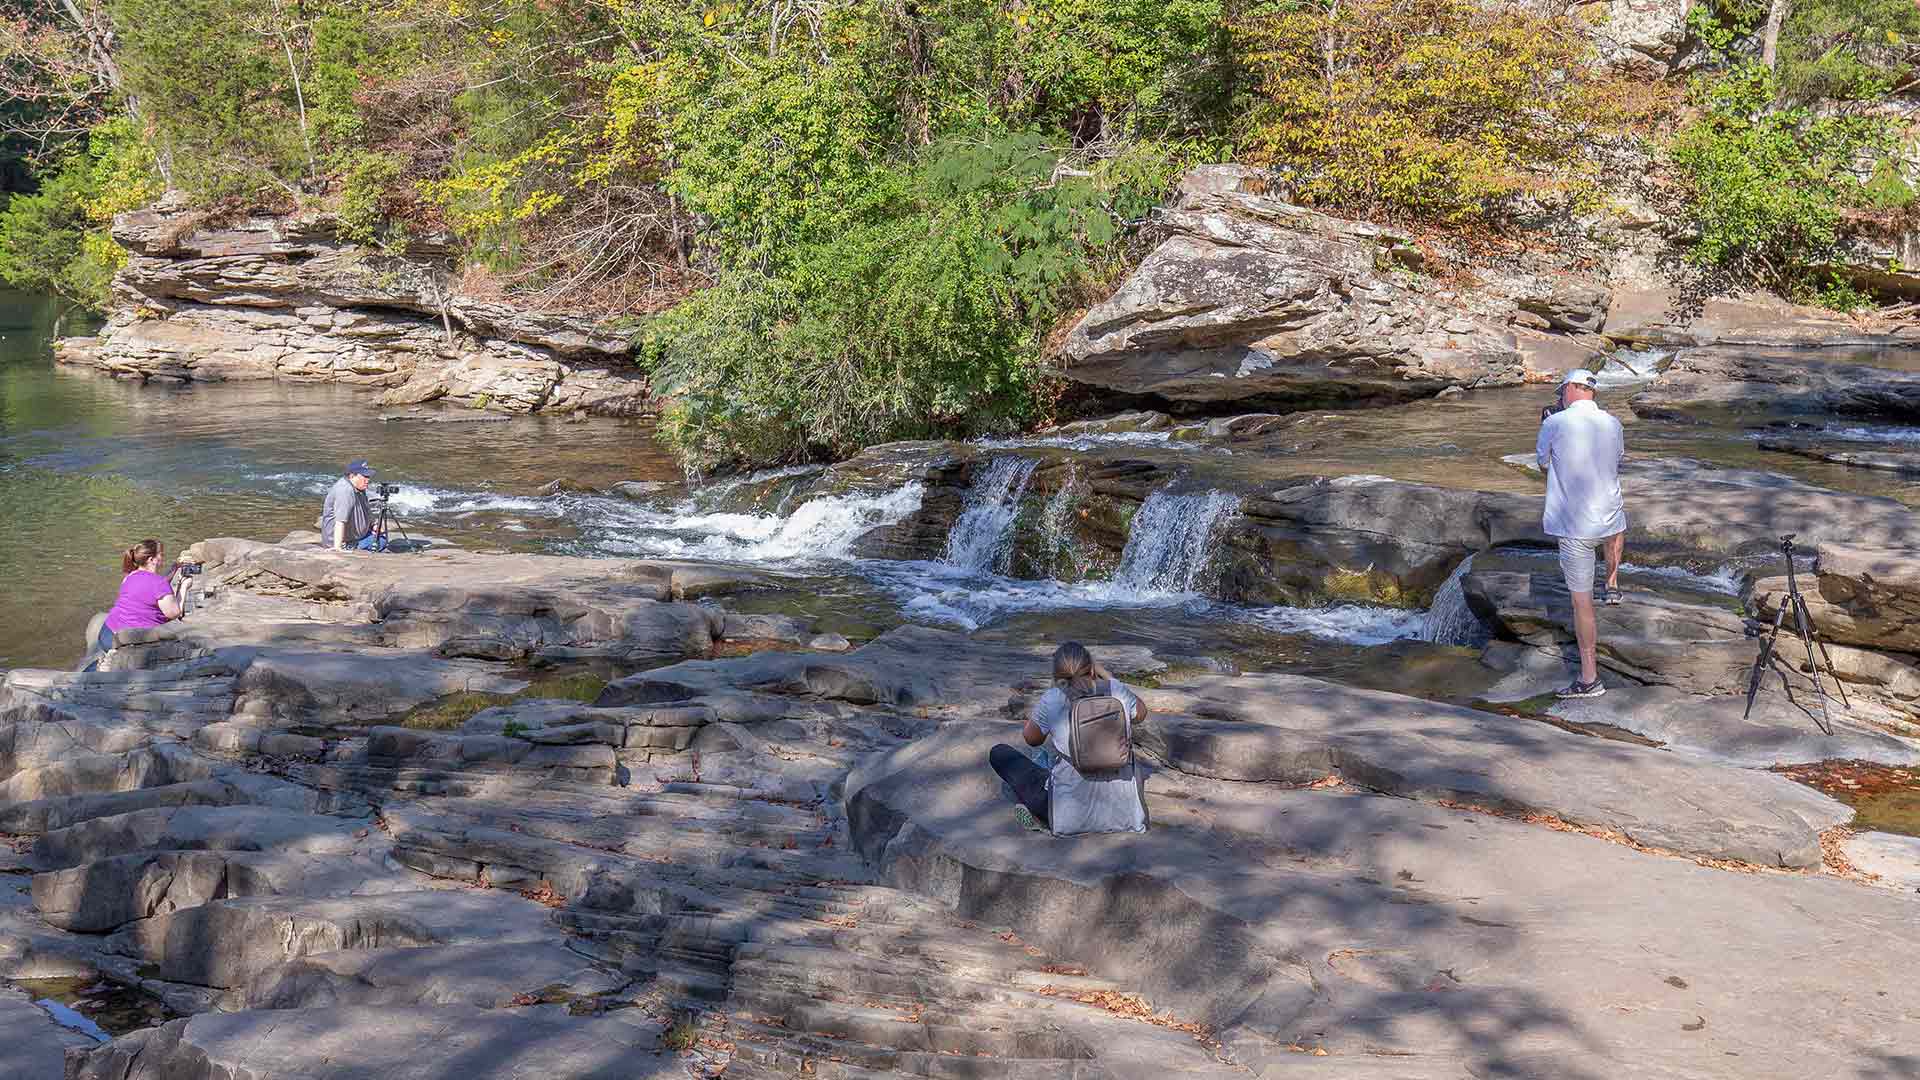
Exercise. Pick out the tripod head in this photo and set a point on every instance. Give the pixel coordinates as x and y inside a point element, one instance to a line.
<point>1786,543</point>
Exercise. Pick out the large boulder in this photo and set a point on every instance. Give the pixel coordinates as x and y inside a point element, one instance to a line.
<point>1256,301</point>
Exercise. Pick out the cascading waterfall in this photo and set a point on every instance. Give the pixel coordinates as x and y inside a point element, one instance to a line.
<point>1053,526</point>
<point>1449,621</point>
<point>1171,542</point>
<point>982,536</point>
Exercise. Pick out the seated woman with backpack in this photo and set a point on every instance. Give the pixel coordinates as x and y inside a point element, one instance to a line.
<point>1086,722</point>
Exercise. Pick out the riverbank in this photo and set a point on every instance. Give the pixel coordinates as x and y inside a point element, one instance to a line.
<point>794,860</point>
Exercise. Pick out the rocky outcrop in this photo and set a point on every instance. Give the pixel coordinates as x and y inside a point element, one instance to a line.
<point>284,297</point>
<point>1761,384</point>
<point>1249,299</point>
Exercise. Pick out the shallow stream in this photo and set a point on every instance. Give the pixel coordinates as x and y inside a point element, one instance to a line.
<point>89,464</point>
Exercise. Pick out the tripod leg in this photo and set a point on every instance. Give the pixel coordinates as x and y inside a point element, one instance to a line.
<point>1838,683</point>
<point>1760,664</point>
<point>1805,625</point>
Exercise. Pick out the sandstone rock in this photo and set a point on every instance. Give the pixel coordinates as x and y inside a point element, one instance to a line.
<point>1894,859</point>
<point>1904,462</point>
<point>1250,299</point>
<point>1857,595</point>
<point>1748,383</point>
<point>1655,317</point>
<point>285,298</point>
<point>489,976</point>
<point>226,943</point>
<point>1574,307</point>
<point>1711,727</point>
<point>348,1042</point>
<point>1649,36</point>
<point>1296,730</point>
<point>1272,912</point>
<point>194,828</point>
<point>36,1046</point>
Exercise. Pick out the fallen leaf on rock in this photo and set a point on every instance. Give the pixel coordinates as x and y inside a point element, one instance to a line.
<point>1699,1023</point>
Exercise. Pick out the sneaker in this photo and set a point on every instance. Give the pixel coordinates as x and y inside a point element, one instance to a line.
<point>1581,689</point>
<point>1026,819</point>
<point>1613,597</point>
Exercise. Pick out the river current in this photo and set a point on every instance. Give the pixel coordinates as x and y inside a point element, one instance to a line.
<point>90,464</point>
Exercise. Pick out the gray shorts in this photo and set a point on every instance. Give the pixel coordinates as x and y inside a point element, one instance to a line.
<point>1577,559</point>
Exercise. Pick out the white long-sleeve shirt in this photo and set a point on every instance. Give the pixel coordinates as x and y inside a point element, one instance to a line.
<point>1580,450</point>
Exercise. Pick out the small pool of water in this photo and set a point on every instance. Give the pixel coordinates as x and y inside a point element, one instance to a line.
<point>95,1007</point>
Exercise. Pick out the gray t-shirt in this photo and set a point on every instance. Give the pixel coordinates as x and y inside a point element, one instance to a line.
<point>1079,805</point>
<point>348,503</point>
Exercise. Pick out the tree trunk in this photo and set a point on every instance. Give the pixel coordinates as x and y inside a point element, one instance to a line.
<point>1770,43</point>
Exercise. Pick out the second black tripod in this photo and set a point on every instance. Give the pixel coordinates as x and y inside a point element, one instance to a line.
<point>1804,623</point>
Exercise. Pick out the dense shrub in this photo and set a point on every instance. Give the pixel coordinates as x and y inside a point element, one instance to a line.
<point>1448,109</point>
<point>55,240</point>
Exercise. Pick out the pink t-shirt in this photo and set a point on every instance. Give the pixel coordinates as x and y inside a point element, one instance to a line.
<point>139,602</point>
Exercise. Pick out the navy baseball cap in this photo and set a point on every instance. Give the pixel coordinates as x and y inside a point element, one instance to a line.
<point>359,467</point>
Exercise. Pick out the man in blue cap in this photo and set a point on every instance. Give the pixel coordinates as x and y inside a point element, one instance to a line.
<point>346,521</point>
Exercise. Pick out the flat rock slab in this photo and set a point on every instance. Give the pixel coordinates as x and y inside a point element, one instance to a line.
<point>1712,727</point>
<point>1894,859</point>
<point>1748,382</point>
<point>32,1046</point>
<point>1294,729</point>
<point>1369,925</point>
<point>226,943</point>
<point>488,976</point>
<point>1903,462</point>
<point>196,828</point>
<point>108,893</point>
<point>356,1042</point>
<point>910,667</point>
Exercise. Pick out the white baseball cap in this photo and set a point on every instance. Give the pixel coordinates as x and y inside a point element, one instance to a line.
<point>1580,377</point>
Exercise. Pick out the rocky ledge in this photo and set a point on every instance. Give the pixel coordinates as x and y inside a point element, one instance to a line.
<point>795,862</point>
<point>285,297</point>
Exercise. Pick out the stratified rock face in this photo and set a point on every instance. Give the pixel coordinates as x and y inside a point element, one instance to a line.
<point>1761,384</point>
<point>283,297</point>
<point>1252,300</point>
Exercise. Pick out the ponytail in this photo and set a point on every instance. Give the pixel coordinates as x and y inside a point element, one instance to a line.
<point>1074,671</point>
<point>137,555</point>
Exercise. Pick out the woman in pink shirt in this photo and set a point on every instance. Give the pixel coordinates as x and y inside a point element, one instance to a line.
<point>146,598</point>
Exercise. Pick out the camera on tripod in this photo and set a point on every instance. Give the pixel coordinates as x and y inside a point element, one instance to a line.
<point>386,491</point>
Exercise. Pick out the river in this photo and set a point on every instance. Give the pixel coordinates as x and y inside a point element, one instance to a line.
<point>90,464</point>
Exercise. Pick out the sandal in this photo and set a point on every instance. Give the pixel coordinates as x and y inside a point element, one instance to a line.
<point>1614,597</point>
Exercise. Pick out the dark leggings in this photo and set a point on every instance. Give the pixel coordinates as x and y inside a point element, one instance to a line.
<point>1028,781</point>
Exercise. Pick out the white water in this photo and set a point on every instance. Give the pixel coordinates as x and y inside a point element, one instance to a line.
<point>1170,542</point>
<point>1630,367</point>
<point>1053,524</point>
<point>1357,624</point>
<point>1449,621</point>
<point>823,529</point>
<point>982,536</point>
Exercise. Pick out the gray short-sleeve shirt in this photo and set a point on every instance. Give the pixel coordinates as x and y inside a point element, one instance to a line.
<point>345,503</point>
<point>1080,805</point>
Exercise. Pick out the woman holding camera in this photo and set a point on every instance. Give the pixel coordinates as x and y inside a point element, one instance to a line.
<point>146,597</point>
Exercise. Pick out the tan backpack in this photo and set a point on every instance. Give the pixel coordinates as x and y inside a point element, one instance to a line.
<point>1099,736</point>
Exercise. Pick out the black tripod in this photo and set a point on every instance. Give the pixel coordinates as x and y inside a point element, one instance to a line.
<point>386,520</point>
<point>1804,622</point>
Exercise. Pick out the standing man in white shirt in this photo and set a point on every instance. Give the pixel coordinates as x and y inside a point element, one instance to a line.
<point>1580,450</point>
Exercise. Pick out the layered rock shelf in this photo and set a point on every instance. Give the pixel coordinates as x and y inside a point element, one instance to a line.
<point>796,863</point>
<point>286,297</point>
